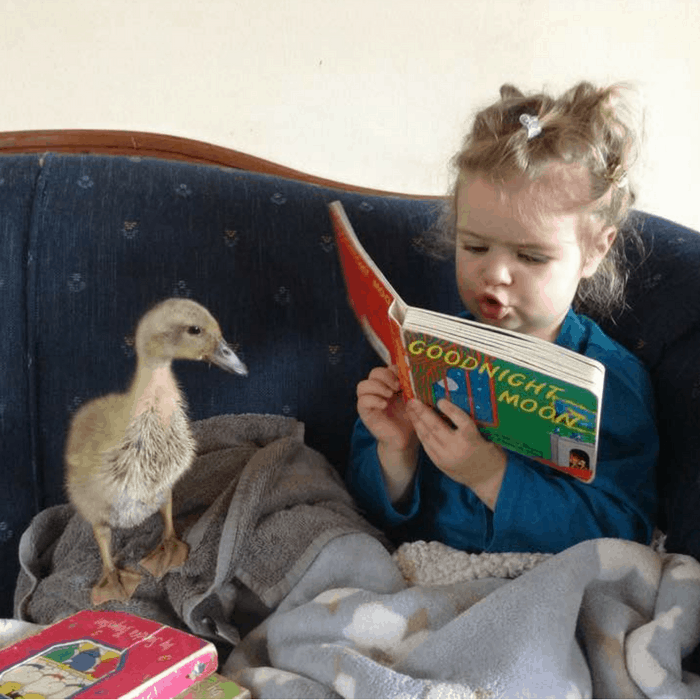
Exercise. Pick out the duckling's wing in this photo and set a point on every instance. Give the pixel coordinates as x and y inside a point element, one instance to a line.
<point>95,429</point>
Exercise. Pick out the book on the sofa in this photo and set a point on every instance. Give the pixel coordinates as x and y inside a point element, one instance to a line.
<point>95,654</point>
<point>526,394</point>
<point>215,686</point>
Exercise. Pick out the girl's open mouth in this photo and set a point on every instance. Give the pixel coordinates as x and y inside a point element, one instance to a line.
<point>491,309</point>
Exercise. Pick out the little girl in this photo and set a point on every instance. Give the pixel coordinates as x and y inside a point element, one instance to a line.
<point>536,214</point>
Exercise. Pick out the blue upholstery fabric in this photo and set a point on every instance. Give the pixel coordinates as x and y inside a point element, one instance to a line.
<point>662,327</point>
<point>90,242</point>
<point>19,490</point>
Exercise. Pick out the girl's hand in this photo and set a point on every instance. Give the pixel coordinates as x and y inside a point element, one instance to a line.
<point>382,409</point>
<point>461,453</point>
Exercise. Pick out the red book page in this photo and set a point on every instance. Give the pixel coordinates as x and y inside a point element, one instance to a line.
<point>369,294</point>
<point>378,308</point>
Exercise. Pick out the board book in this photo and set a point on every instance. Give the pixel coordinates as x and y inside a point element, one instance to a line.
<point>215,686</point>
<point>95,654</point>
<point>524,393</point>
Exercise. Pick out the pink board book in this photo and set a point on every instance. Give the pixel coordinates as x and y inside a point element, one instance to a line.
<point>95,654</point>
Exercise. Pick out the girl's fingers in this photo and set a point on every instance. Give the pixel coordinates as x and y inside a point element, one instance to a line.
<point>427,424</point>
<point>461,419</point>
<point>420,413</point>
<point>381,381</point>
<point>374,388</point>
<point>387,375</point>
<point>372,402</point>
<point>430,426</point>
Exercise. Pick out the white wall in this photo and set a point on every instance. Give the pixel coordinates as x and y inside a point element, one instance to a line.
<point>371,92</point>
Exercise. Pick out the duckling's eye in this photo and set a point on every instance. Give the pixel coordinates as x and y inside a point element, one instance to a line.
<point>194,330</point>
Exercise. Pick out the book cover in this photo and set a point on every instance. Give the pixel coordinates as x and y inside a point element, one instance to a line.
<point>378,308</point>
<point>214,686</point>
<point>519,408</point>
<point>95,654</point>
<point>530,396</point>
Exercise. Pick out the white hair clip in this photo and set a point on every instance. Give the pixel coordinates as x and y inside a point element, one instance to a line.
<point>532,124</point>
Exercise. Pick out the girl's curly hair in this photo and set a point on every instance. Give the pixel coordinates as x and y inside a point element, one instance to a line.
<point>587,126</point>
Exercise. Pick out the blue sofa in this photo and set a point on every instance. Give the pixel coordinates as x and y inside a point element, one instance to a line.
<point>91,240</point>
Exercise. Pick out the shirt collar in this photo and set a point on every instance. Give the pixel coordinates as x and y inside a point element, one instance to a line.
<point>573,333</point>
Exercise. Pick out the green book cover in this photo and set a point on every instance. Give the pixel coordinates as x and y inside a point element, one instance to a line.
<point>522,409</point>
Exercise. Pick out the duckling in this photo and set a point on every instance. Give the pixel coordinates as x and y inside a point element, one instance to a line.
<point>124,452</point>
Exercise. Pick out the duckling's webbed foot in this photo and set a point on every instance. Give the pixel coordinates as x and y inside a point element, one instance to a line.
<point>115,584</point>
<point>169,554</point>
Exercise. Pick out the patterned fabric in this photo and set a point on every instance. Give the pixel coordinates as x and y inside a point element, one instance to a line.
<point>18,467</point>
<point>90,242</point>
<point>607,618</point>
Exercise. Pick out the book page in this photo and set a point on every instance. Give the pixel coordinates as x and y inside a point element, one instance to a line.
<point>379,309</point>
<point>535,353</point>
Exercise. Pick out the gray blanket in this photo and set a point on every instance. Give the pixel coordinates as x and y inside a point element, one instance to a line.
<point>256,509</point>
<point>276,543</point>
<point>606,618</point>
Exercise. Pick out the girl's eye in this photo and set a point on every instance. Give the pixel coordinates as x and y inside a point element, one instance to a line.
<point>533,259</point>
<point>476,249</point>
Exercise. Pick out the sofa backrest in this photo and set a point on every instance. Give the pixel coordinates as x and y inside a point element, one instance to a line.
<point>90,242</point>
<point>662,327</point>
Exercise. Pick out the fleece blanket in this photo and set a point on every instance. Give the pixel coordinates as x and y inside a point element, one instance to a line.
<point>280,557</point>
<point>256,508</point>
<point>606,618</point>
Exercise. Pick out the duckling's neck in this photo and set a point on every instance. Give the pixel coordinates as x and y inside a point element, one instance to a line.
<point>154,389</point>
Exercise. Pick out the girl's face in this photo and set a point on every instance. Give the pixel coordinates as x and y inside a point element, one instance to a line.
<point>518,256</point>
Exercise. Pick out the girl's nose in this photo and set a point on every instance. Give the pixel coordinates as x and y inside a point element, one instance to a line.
<point>496,271</point>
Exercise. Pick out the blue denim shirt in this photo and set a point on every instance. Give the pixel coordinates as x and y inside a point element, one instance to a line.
<point>538,509</point>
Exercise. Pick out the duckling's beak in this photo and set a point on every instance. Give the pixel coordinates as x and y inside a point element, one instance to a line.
<point>225,358</point>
